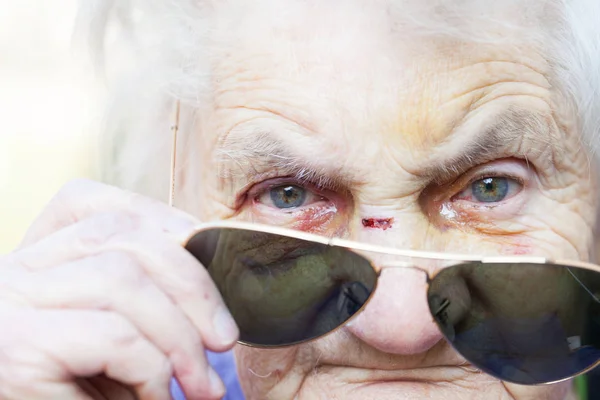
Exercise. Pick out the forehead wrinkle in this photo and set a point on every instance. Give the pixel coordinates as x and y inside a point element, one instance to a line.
<point>455,89</point>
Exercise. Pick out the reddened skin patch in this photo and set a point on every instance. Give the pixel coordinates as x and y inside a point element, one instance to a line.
<point>378,223</point>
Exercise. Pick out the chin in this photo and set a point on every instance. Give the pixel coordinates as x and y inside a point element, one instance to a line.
<point>430,391</point>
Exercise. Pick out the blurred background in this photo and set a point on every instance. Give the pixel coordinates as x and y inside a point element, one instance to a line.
<point>45,103</point>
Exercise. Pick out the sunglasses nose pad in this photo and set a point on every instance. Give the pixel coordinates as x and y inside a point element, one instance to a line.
<point>353,296</point>
<point>449,303</point>
<point>439,309</point>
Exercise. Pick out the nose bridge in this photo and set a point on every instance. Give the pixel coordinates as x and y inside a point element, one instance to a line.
<point>404,227</point>
<point>397,318</point>
<point>408,264</point>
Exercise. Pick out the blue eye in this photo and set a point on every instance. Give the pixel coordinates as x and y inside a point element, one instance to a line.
<point>288,196</point>
<point>490,190</point>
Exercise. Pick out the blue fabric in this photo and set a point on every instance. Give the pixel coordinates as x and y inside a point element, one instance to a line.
<point>224,365</point>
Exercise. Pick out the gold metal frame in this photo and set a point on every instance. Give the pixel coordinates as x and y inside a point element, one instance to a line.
<point>360,248</point>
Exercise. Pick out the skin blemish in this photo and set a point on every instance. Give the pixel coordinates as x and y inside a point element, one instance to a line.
<point>378,223</point>
<point>315,220</point>
<point>518,247</point>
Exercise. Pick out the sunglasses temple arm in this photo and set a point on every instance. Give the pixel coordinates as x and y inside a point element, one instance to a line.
<point>583,286</point>
<point>174,129</point>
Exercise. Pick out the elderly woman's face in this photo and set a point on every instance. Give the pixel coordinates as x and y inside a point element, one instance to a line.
<point>332,120</point>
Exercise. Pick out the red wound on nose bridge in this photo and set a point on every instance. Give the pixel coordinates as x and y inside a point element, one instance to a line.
<point>378,223</point>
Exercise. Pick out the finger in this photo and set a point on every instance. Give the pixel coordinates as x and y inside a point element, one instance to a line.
<point>79,239</point>
<point>101,388</point>
<point>172,268</point>
<point>42,352</point>
<point>45,391</point>
<point>116,281</point>
<point>81,198</point>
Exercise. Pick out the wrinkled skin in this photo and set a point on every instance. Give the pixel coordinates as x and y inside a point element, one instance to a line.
<point>370,113</point>
<point>332,118</point>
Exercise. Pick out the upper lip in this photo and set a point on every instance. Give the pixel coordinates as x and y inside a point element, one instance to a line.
<point>420,374</point>
<point>352,353</point>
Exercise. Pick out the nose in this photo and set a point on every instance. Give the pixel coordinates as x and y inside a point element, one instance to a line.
<point>397,318</point>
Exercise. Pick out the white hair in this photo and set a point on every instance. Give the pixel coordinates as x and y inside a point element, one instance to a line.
<point>163,50</point>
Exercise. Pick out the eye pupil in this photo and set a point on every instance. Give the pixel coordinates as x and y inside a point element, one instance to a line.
<point>289,196</point>
<point>490,190</point>
<point>288,192</point>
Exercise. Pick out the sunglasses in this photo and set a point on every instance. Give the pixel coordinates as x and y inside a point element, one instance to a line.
<point>525,320</point>
<point>521,319</point>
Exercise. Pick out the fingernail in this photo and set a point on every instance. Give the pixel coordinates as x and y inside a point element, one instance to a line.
<point>225,326</point>
<point>216,385</point>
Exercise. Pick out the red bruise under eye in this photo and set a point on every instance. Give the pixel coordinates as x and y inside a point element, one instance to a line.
<point>377,223</point>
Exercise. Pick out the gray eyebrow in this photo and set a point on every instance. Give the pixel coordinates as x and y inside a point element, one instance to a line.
<point>262,150</point>
<point>244,155</point>
<point>509,129</point>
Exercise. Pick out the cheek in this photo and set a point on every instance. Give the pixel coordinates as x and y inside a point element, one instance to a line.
<point>492,219</point>
<point>559,229</point>
<point>519,247</point>
<point>327,222</point>
<point>482,242</point>
<point>516,245</point>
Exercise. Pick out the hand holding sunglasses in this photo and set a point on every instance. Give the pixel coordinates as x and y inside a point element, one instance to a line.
<point>101,301</point>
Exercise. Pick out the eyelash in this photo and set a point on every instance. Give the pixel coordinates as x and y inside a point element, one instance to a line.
<point>498,174</point>
<point>492,170</point>
<point>325,193</point>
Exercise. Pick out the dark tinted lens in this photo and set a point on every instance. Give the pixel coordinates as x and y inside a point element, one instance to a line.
<point>523,323</point>
<point>282,290</point>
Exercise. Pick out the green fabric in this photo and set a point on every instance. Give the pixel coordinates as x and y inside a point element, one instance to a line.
<point>581,387</point>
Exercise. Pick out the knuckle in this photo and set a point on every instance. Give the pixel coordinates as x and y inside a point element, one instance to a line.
<point>13,293</point>
<point>190,279</point>
<point>188,285</point>
<point>15,327</point>
<point>200,287</point>
<point>107,226</point>
<point>125,268</point>
<point>17,374</point>
<point>164,369</point>
<point>125,336</point>
<point>22,381</point>
<point>188,291</point>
